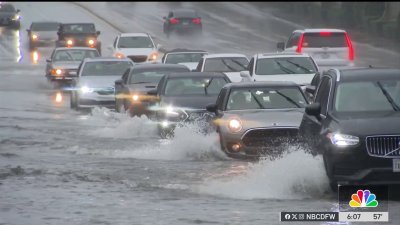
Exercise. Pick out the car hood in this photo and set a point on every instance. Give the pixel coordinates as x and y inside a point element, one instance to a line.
<point>368,124</point>
<point>142,88</point>
<point>192,102</point>
<point>234,76</point>
<point>297,78</point>
<point>7,14</point>
<point>190,65</point>
<point>136,51</point>
<point>267,117</point>
<point>46,35</point>
<point>66,64</point>
<point>98,81</point>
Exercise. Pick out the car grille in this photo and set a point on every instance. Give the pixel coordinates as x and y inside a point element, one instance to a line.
<point>106,91</point>
<point>270,137</point>
<point>71,72</point>
<point>138,58</point>
<point>384,146</point>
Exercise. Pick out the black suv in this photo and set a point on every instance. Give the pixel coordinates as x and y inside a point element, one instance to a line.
<point>78,35</point>
<point>354,123</point>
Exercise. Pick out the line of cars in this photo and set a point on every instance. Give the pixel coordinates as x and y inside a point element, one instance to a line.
<point>258,107</point>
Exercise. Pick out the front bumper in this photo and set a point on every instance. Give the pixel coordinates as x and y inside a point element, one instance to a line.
<point>94,99</point>
<point>354,165</point>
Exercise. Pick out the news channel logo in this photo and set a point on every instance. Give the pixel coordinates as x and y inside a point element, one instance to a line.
<point>363,198</point>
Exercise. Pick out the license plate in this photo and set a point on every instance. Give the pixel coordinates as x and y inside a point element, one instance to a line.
<point>185,23</point>
<point>396,165</point>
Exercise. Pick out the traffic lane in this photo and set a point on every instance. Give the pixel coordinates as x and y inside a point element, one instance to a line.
<point>228,27</point>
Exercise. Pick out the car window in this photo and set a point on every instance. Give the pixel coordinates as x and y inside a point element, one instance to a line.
<point>266,98</point>
<point>221,98</point>
<point>293,40</point>
<point>226,64</point>
<point>364,96</point>
<point>135,42</point>
<point>325,39</point>
<point>74,55</point>
<point>78,28</point>
<point>194,86</point>
<point>175,58</point>
<point>7,8</point>
<point>105,68</point>
<point>152,75</point>
<point>322,95</point>
<point>285,65</point>
<point>185,14</point>
<point>45,26</point>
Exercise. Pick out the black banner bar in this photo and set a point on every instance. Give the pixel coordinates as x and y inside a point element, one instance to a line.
<point>309,216</point>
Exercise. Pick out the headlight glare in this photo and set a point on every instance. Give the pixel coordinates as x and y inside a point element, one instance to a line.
<point>135,97</point>
<point>153,56</point>
<point>86,89</point>
<point>35,36</point>
<point>119,55</point>
<point>235,125</point>
<point>171,111</point>
<point>343,140</point>
<point>91,42</point>
<point>70,42</point>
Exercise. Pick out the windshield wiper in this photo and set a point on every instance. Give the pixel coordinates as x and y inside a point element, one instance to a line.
<point>284,68</point>
<point>388,97</point>
<point>231,68</point>
<point>300,66</point>
<point>238,63</point>
<point>288,98</point>
<point>141,82</point>
<point>258,102</point>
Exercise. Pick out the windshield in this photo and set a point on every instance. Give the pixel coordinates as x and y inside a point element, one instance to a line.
<point>105,68</point>
<point>152,75</point>
<point>135,42</point>
<point>285,65</point>
<point>7,8</point>
<point>78,28</point>
<point>320,40</point>
<point>74,55</point>
<point>367,96</point>
<point>266,98</point>
<point>175,58</point>
<point>185,14</point>
<point>194,86</point>
<point>45,26</point>
<point>228,64</point>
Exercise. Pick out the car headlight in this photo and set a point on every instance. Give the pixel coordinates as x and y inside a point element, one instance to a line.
<point>235,125</point>
<point>153,56</point>
<point>70,42</point>
<point>57,72</point>
<point>135,98</point>
<point>16,17</point>
<point>35,37</point>
<point>86,89</point>
<point>343,140</point>
<point>91,42</point>
<point>171,111</point>
<point>119,55</point>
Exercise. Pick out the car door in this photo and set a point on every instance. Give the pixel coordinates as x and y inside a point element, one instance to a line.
<point>313,128</point>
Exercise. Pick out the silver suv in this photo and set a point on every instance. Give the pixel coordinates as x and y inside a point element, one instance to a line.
<point>328,47</point>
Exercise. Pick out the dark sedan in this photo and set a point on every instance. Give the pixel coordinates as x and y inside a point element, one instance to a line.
<point>9,16</point>
<point>42,33</point>
<point>256,119</point>
<point>182,21</point>
<point>131,90</point>
<point>354,123</point>
<point>182,98</point>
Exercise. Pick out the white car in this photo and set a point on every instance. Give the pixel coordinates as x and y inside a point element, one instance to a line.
<point>139,47</point>
<point>186,57</point>
<point>95,83</point>
<point>229,63</point>
<point>328,47</point>
<point>295,67</point>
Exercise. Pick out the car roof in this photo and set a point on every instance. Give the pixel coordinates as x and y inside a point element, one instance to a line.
<point>158,65</point>
<point>222,55</point>
<point>196,74</point>
<point>262,84</point>
<point>134,35</point>
<point>75,48</point>
<point>183,50</point>
<point>35,22</point>
<point>101,59</point>
<point>281,54</point>
<point>76,23</point>
<point>360,74</point>
<point>317,30</point>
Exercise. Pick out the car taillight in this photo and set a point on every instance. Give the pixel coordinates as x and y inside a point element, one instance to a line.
<point>300,44</point>
<point>324,33</point>
<point>196,21</point>
<point>173,21</point>
<point>350,46</point>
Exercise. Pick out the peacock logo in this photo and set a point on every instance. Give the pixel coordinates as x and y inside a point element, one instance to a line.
<point>363,199</point>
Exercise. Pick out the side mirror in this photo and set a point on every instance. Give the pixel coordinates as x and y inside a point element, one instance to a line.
<point>314,109</point>
<point>152,92</point>
<point>48,60</point>
<point>245,74</point>
<point>280,46</point>
<point>98,32</point>
<point>310,89</point>
<point>119,82</point>
<point>212,107</point>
